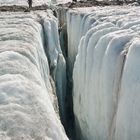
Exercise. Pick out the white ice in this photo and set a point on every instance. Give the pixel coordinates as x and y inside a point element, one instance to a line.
<point>56,60</point>
<point>13,2</point>
<point>26,94</point>
<point>104,50</point>
<point>35,2</point>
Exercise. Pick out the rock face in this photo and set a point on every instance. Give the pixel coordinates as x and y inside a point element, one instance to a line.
<point>105,43</point>
<point>26,94</point>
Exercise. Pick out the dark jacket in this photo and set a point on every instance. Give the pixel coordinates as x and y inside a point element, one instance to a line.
<point>30,3</point>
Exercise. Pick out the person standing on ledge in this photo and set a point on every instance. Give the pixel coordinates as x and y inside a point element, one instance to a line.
<point>30,4</point>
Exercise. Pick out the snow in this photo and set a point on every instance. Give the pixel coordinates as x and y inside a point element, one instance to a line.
<point>41,2</point>
<point>26,99</point>
<point>13,2</point>
<point>64,1</point>
<point>35,2</point>
<point>104,51</point>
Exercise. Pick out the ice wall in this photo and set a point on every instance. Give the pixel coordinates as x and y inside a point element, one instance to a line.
<point>56,60</point>
<point>26,99</point>
<point>105,43</point>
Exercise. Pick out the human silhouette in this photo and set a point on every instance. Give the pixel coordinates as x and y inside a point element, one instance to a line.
<point>30,3</point>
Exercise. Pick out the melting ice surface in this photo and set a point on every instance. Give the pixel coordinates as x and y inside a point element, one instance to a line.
<point>26,94</point>
<point>104,49</point>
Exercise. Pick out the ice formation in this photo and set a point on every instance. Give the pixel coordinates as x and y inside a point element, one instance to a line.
<point>104,45</point>
<point>56,60</point>
<point>26,99</point>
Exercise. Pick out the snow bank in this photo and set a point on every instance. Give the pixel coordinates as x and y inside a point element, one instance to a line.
<point>105,43</point>
<point>26,99</point>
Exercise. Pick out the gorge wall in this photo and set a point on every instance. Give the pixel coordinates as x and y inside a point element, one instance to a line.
<point>80,67</point>
<point>103,51</point>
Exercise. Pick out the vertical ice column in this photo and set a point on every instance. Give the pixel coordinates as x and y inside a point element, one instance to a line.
<point>128,113</point>
<point>73,29</point>
<point>56,61</point>
<point>14,2</point>
<point>96,79</point>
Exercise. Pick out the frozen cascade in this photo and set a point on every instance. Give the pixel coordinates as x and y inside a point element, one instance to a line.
<point>26,98</point>
<point>104,41</point>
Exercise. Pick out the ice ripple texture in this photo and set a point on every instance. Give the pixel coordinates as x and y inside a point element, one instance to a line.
<point>104,49</point>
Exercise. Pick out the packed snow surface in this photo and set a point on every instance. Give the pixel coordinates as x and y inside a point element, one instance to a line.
<point>26,94</point>
<point>48,2</point>
<point>104,49</point>
<point>13,2</point>
<point>34,2</point>
<point>41,2</point>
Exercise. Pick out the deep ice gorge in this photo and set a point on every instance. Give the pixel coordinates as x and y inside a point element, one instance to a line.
<point>103,60</point>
